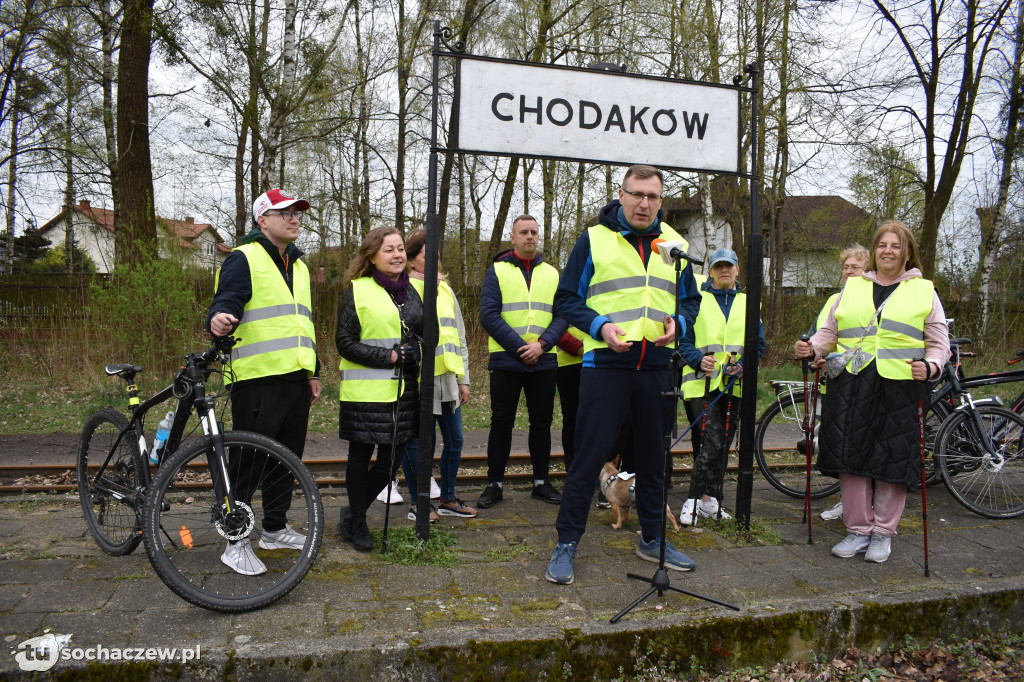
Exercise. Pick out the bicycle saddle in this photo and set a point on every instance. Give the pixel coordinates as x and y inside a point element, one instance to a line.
<point>122,369</point>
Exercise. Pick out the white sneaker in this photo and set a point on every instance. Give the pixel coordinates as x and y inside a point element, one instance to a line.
<point>240,558</point>
<point>396,497</point>
<point>834,513</point>
<point>686,515</point>
<point>710,509</point>
<point>879,548</point>
<point>435,489</point>
<point>286,538</point>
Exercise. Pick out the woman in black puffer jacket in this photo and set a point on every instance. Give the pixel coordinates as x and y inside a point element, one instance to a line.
<point>380,327</point>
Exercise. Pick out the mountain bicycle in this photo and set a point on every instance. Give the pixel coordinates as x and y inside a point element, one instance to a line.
<point>195,505</point>
<point>979,448</point>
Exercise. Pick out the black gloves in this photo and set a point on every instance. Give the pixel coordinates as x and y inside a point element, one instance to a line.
<point>408,354</point>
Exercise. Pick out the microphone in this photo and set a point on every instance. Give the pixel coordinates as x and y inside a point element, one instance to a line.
<point>674,251</point>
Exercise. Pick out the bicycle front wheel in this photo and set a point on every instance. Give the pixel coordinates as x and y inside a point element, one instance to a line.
<point>216,556</point>
<point>110,495</point>
<point>779,445</point>
<point>989,483</point>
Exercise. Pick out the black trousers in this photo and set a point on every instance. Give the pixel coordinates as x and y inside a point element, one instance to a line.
<point>609,399</point>
<point>539,389</point>
<point>363,481</point>
<point>567,379</point>
<point>720,428</point>
<point>277,408</point>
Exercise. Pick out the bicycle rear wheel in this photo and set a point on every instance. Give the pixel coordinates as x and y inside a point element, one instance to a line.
<point>779,447</point>
<point>988,483</point>
<point>110,497</point>
<point>187,531</point>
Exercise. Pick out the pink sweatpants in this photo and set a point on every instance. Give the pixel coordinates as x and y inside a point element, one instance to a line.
<point>866,511</point>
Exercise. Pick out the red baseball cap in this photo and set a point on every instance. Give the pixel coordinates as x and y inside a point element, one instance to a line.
<point>276,199</point>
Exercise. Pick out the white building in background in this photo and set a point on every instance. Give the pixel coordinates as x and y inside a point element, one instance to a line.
<point>814,229</point>
<point>196,244</point>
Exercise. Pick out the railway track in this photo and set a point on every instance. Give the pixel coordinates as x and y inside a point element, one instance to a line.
<point>18,479</point>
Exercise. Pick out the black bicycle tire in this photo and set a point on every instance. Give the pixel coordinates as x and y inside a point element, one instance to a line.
<point>128,527</point>
<point>214,586</point>
<point>769,472</point>
<point>968,479</point>
<point>932,474</point>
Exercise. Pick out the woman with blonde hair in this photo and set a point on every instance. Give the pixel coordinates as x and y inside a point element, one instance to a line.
<point>380,324</point>
<point>893,322</point>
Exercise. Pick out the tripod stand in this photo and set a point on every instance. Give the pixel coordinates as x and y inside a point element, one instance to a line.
<point>660,582</point>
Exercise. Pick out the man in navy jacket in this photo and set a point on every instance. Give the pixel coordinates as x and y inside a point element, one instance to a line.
<point>614,288</point>
<point>517,311</point>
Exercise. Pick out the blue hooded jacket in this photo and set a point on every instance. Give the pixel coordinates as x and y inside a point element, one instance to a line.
<point>571,297</point>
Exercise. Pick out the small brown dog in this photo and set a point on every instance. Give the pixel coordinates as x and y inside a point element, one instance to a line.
<point>618,492</point>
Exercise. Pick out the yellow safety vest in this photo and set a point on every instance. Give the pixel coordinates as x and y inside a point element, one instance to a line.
<point>564,359</point>
<point>713,333</point>
<point>898,334</point>
<point>380,325</point>
<point>528,310</point>
<point>635,298</point>
<point>276,333</point>
<point>446,356</point>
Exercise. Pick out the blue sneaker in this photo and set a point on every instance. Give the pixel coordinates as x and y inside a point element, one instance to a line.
<point>674,559</point>
<point>560,567</point>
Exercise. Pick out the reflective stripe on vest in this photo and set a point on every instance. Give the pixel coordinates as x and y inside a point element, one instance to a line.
<point>635,298</point>
<point>713,333</point>
<point>276,333</point>
<point>564,359</point>
<point>380,326</point>
<point>528,310</point>
<point>898,335</point>
<point>447,357</point>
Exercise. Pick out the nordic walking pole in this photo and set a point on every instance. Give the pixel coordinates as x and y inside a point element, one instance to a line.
<point>812,420</point>
<point>806,363</point>
<point>728,416</point>
<point>400,373</point>
<point>700,458</point>
<point>924,490</point>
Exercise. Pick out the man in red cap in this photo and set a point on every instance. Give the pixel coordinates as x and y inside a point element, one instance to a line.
<point>263,298</point>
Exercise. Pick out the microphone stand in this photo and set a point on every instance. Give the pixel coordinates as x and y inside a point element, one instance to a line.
<point>660,582</point>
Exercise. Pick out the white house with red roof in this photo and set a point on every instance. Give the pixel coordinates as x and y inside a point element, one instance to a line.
<point>196,244</point>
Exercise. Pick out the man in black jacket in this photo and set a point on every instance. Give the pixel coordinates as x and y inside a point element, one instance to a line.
<point>263,296</point>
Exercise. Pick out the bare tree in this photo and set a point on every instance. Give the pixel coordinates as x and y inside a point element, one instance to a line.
<point>941,40</point>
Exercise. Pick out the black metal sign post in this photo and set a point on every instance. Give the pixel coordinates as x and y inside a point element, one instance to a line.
<point>755,256</point>
<point>425,461</point>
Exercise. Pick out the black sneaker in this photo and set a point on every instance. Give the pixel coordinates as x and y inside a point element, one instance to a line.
<point>490,496</point>
<point>345,524</point>
<point>602,501</point>
<point>545,492</point>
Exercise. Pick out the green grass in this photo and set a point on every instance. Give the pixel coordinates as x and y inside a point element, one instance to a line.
<point>407,549</point>
<point>516,547</point>
<point>760,533</point>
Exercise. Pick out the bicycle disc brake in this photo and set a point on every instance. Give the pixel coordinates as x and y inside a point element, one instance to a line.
<point>234,525</point>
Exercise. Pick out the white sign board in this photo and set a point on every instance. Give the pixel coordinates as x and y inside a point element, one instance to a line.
<point>508,108</point>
